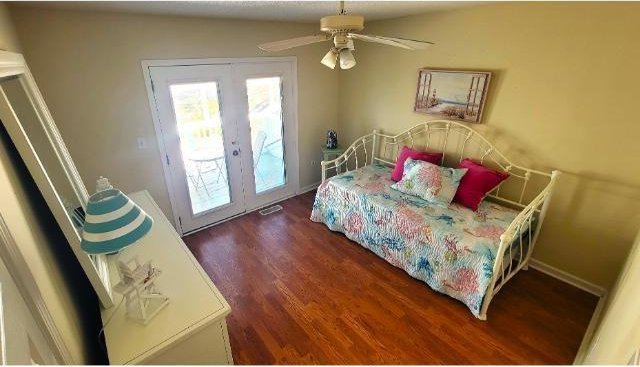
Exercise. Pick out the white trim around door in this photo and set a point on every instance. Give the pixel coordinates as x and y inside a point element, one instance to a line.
<point>240,63</point>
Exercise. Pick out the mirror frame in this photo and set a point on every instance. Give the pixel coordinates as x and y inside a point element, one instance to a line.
<point>14,65</point>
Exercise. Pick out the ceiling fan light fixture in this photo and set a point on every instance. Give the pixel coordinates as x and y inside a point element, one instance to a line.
<point>347,61</point>
<point>330,59</point>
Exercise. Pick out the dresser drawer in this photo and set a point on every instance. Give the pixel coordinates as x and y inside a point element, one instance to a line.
<point>207,346</point>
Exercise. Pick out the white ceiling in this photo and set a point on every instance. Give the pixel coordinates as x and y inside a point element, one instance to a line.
<point>296,11</point>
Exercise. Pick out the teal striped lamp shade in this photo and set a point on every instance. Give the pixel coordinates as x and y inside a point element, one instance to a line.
<point>112,223</point>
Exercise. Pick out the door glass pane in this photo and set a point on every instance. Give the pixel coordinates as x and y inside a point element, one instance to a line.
<point>265,118</point>
<point>197,111</point>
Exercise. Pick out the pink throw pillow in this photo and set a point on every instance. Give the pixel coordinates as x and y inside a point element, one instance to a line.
<point>416,155</point>
<point>477,183</point>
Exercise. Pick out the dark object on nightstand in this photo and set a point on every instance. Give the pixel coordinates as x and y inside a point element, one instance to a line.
<point>332,139</point>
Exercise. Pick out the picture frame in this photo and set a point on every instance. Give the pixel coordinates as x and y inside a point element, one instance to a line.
<point>452,94</point>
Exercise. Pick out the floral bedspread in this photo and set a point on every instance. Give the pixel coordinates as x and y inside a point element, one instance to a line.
<point>451,248</point>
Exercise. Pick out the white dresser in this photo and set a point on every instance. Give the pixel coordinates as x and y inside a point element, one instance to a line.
<point>192,328</point>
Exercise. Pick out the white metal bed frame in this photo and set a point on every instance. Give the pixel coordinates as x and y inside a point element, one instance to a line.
<point>456,140</point>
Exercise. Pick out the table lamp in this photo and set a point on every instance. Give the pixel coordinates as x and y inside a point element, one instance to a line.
<point>112,223</point>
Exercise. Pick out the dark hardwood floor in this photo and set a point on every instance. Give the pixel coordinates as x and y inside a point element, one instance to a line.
<point>301,294</point>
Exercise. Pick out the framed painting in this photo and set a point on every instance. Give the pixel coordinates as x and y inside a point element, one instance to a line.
<point>452,94</point>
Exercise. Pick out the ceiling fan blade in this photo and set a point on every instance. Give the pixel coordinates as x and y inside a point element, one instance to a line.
<point>408,44</point>
<point>293,42</point>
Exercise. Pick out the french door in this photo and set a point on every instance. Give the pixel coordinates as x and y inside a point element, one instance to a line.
<point>229,134</point>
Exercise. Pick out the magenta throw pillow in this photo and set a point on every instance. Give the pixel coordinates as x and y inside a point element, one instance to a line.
<point>477,183</point>
<point>416,155</point>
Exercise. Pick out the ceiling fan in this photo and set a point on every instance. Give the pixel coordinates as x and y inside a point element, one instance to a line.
<point>340,28</point>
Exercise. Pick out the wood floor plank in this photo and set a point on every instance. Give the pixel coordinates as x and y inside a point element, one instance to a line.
<point>302,294</point>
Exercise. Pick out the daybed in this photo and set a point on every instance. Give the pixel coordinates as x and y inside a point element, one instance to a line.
<point>466,254</point>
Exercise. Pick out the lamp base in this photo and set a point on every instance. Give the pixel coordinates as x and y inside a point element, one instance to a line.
<point>143,300</point>
<point>154,304</point>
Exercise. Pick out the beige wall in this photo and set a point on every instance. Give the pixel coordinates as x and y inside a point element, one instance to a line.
<point>87,65</point>
<point>8,38</point>
<point>617,337</point>
<point>26,217</point>
<point>564,95</point>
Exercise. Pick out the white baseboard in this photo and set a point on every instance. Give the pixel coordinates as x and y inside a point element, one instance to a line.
<point>308,188</point>
<point>568,278</point>
<point>591,329</point>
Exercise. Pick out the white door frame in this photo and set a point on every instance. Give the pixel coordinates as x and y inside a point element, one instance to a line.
<point>146,64</point>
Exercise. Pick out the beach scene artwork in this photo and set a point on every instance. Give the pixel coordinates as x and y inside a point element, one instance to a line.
<point>456,95</point>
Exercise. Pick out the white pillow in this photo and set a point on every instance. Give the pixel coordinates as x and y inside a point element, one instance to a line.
<point>435,184</point>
